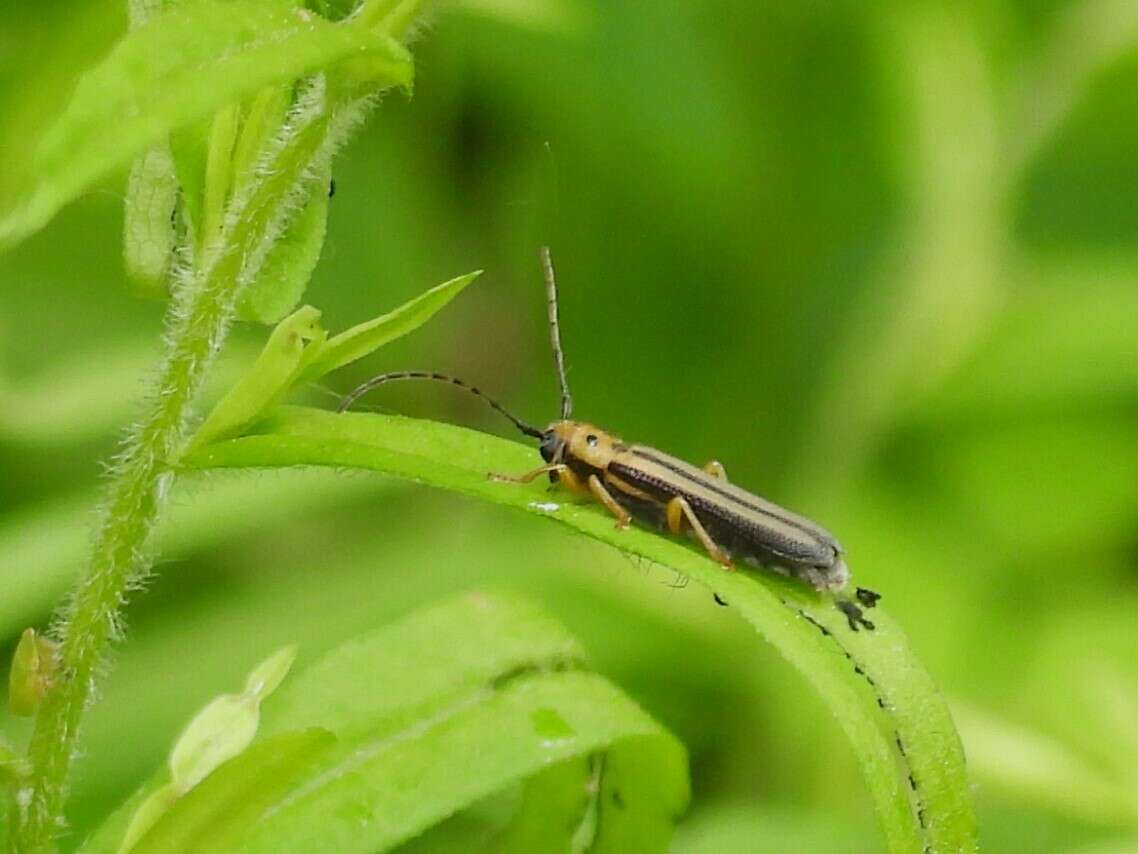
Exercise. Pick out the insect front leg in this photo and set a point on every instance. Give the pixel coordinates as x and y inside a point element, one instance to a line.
<point>560,468</point>
<point>677,511</point>
<point>623,518</point>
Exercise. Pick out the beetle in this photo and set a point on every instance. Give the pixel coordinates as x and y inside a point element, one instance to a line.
<point>640,482</point>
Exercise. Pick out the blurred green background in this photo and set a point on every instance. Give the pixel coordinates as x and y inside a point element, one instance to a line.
<point>879,259</point>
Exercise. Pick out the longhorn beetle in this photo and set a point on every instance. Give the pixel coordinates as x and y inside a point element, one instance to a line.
<point>638,481</point>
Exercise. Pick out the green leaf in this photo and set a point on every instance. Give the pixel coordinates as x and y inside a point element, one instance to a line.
<point>189,148</point>
<point>267,380</point>
<point>366,338</point>
<point>223,729</point>
<point>552,805</point>
<point>178,67</point>
<point>421,662</point>
<point>148,227</point>
<point>265,115</point>
<point>897,723</point>
<point>281,282</point>
<point>427,717</point>
<point>215,815</point>
<point>219,169</point>
<point>226,725</point>
<point>287,361</point>
<point>33,673</point>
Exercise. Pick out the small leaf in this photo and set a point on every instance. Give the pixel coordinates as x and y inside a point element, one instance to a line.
<point>223,729</point>
<point>226,725</point>
<point>148,227</point>
<point>265,115</point>
<point>267,380</point>
<point>286,361</point>
<point>181,66</point>
<point>189,148</point>
<point>368,337</point>
<point>33,673</point>
<point>281,283</point>
<point>389,16</point>
<point>223,132</point>
<point>357,75</point>
<point>268,675</point>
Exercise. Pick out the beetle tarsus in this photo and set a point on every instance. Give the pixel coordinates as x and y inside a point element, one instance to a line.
<point>866,597</point>
<point>854,615</point>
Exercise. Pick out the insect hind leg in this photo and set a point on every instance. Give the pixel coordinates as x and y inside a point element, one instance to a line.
<point>623,517</point>
<point>853,614</point>
<point>677,512</point>
<point>867,597</point>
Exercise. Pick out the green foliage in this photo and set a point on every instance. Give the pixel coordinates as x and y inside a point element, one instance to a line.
<point>874,687</point>
<point>218,733</point>
<point>34,673</point>
<point>880,265</point>
<point>149,237</point>
<point>290,265</point>
<point>178,79</point>
<point>401,729</point>
<point>300,350</point>
<point>179,67</point>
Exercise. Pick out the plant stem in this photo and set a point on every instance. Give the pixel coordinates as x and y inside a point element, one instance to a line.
<point>198,318</point>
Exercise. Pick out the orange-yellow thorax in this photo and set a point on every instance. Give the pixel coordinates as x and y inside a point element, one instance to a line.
<point>582,442</point>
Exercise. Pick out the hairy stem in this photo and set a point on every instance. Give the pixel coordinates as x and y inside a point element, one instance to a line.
<point>199,316</point>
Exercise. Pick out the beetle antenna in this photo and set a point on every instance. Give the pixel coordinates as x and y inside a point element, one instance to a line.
<point>555,332</point>
<point>363,388</point>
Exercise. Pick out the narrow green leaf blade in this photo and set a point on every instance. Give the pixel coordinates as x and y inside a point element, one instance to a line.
<point>189,147</point>
<point>180,66</point>
<point>885,702</point>
<point>369,336</point>
<point>281,283</point>
<point>267,380</point>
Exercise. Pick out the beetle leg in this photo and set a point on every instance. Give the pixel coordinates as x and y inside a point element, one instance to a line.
<point>560,468</point>
<point>853,614</point>
<point>867,597</point>
<point>605,497</point>
<point>570,481</point>
<point>715,469</point>
<point>676,511</point>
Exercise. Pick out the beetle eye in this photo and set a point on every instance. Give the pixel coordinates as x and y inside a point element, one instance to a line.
<point>591,440</point>
<point>548,447</point>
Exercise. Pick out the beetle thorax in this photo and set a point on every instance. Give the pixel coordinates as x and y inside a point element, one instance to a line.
<point>584,442</point>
